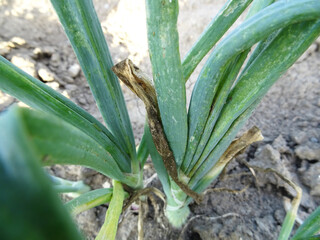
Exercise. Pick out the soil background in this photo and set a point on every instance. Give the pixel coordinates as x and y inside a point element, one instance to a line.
<point>289,117</point>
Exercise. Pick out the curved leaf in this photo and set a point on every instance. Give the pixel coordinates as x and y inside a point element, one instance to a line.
<point>257,6</point>
<point>89,200</point>
<point>212,34</point>
<point>58,142</point>
<point>256,28</point>
<point>83,29</point>
<point>196,146</point>
<point>280,54</point>
<point>39,96</point>
<point>30,209</point>
<point>310,227</point>
<point>207,171</point>
<point>65,186</point>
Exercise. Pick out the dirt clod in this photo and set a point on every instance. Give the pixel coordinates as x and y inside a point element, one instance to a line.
<point>311,178</point>
<point>309,152</point>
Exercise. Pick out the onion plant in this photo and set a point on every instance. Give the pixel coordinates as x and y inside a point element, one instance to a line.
<point>189,147</point>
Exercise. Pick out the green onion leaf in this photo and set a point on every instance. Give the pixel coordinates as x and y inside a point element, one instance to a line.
<point>109,228</point>
<point>58,142</point>
<point>83,29</point>
<point>39,96</point>
<point>163,42</point>
<point>276,58</point>
<point>256,28</point>
<point>30,208</point>
<point>212,34</point>
<point>310,227</point>
<point>89,200</point>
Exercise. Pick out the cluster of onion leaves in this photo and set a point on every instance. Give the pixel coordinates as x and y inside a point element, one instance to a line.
<point>240,69</point>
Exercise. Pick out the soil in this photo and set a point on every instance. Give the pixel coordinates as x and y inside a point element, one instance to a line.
<point>289,117</point>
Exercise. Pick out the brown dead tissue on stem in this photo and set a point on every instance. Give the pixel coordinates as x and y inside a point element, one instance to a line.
<point>134,78</point>
<point>139,83</point>
<point>236,147</point>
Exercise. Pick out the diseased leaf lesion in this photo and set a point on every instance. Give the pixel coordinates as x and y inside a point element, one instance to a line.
<point>139,83</point>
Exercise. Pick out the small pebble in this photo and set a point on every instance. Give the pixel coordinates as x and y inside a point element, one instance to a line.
<point>48,51</point>
<point>87,172</point>
<point>53,85</point>
<point>55,59</point>
<point>25,63</point>
<point>36,53</point>
<point>279,215</point>
<point>311,178</point>
<point>71,87</point>
<point>45,74</point>
<point>18,41</point>
<point>106,184</point>
<point>4,48</point>
<point>67,79</point>
<point>267,154</point>
<point>82,100</point>
<point>74,70</point>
